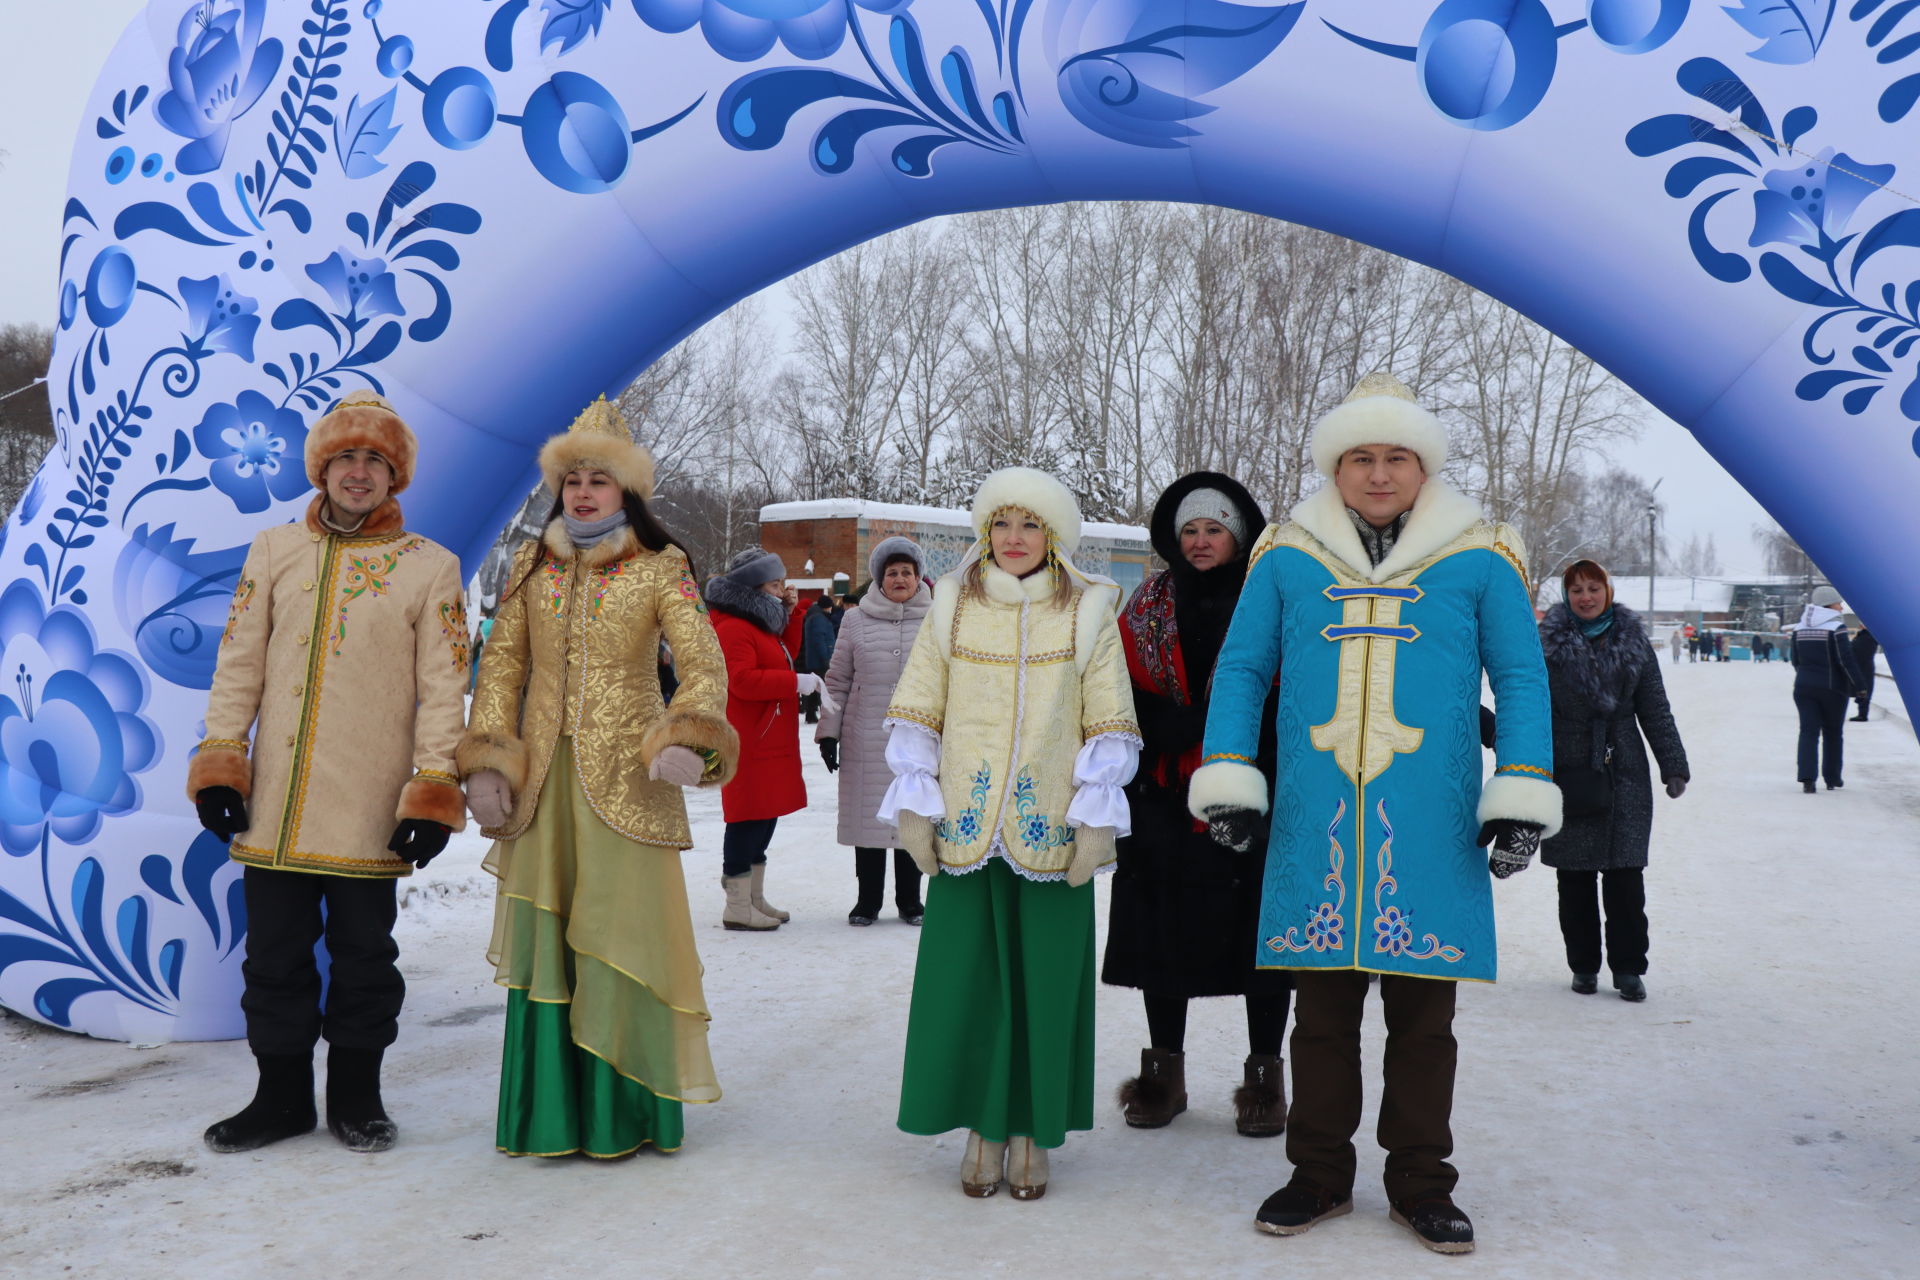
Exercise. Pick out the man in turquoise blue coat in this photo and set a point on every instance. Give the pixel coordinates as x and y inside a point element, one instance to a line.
<point>1379,604</point>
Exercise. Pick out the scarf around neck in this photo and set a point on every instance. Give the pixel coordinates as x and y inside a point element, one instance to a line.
<point>588,533</point>
<point>1596,627</point>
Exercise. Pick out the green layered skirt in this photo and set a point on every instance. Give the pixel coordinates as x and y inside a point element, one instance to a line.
<point>606,1030</point>
<point>1000,1036</point>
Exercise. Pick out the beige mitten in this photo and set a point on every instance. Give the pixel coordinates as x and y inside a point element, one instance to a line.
<point>489,797</point>
<point>917,838</point>
<point>681,766</point>
<point>1092,849</point>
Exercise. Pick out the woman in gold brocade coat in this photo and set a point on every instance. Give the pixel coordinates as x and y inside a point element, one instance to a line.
<point>574,765</point>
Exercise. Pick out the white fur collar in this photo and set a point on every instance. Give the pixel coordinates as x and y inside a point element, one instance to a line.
<point>1440,514</point>
<point>1004,588</point>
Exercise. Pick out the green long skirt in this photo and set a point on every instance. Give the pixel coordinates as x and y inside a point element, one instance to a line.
<point>606,1030</point>
<point>1000,1035</point>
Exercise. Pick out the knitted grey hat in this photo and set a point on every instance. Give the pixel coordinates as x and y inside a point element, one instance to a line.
<point>1213,505</point>
<point>753,567</point>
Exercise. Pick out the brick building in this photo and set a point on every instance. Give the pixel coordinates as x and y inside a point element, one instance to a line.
<point>834,535</point>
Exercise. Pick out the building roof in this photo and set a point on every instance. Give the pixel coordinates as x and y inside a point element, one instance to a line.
<point>861,508</point>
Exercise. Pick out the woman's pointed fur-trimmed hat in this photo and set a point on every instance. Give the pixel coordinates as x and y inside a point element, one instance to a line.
<point>599,439</point>
<point>1035,491</point>
<point>1379,410</point>
<point>362,420</point>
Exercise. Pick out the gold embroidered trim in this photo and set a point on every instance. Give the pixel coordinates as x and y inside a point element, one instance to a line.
<point>224,744</point>
<point>1524,768</point>
<point>1109,726</point>
<point>298,861</point>
<point>1518,568</point>
<point>435,775</point>
<point>917,717</point>
<point>1051,657</point>
<point>1227,755</point>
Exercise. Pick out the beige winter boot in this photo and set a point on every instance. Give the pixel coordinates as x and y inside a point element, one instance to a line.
<point>760,902</point>
<point>980,1167</point>
<point>740,912</point>
<point>1026,1169</point>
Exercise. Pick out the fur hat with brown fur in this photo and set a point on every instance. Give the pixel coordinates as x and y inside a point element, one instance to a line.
<point>362,421</point>
<point>599,439</point>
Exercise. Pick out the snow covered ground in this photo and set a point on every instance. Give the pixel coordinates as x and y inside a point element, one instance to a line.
<point>1759,1115</point>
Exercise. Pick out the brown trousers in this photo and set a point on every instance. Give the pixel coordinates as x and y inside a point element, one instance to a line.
<point>1416,1106</point>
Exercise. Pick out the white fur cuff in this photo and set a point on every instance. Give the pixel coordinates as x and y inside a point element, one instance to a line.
<point>1522,799</point>
<point>1225,784</point>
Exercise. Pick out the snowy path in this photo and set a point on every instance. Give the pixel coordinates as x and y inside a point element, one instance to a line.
<point>1758,1116</point>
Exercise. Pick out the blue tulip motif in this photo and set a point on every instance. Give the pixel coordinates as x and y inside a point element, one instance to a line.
<point>217,70</point>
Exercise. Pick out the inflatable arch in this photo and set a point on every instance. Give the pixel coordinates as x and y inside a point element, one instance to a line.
<point>493,210</point>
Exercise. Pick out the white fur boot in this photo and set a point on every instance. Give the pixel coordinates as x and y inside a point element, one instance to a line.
<point>760,902</point>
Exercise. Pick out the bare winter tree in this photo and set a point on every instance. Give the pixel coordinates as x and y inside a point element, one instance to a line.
<point>1698,558</point>
<point>26,419</point>
<point>1606,521</point>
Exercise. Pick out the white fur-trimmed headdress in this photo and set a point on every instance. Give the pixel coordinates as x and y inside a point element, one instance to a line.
<point>1379,410</point>
<point>1034,491</point>
<point>599,438</point>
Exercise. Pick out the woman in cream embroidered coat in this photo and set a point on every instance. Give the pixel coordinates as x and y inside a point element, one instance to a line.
<point>574,765</point>
<point>1012,734</point>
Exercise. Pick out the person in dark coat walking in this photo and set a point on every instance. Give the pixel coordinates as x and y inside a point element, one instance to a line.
<point>1865,649</point>
<point>1184,910</point>
<point>1604,679</point>
<point>1824,677</point>
<point>818,635</point>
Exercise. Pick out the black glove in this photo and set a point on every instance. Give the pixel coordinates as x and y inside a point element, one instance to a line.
<point>221,811</point>
<point>1232,828</point>
<point>418,840</point>
<point>1514,844</point>
<point>1676,787</point>
<point>830,752</point>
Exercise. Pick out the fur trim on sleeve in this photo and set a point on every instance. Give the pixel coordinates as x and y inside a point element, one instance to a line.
<point>220,767</point>
<point>479,751</point>
<point>1522,799</point>
<point>1225,783</point>
<point>433,800</point>
<point>696,731</point>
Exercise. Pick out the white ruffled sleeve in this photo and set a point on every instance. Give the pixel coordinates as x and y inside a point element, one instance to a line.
<point>1105,764</point>
<point>913,753</point>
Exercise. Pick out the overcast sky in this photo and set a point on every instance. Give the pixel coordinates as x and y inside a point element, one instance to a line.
<point>51,54</point>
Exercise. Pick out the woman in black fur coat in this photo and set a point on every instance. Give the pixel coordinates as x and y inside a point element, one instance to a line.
<point>1605,682</point>
<point>1185,913</point>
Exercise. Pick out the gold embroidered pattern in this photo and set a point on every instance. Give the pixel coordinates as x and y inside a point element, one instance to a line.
<point>223,744</point>
<point>916,717</point>
<point>1108,726</point>
<point>965,654</point>
<point>1524,768</point>
<point>453,625</point>
<point>1227,755</point>
<point>1518,568</point>
<point>365,576</point>
<point>242,601</point>
<point>435,775</point>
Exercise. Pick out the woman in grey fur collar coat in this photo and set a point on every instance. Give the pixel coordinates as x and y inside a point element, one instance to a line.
<point>1605,683</point>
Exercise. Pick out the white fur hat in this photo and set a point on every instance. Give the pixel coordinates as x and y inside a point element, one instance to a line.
<point>1036,491</point>
<point>1379,410</point>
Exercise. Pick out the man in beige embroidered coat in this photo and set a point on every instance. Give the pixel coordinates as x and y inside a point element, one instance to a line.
<point>336,705</point>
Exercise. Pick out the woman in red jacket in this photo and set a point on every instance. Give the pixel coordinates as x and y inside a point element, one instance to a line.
<point>750,602</point>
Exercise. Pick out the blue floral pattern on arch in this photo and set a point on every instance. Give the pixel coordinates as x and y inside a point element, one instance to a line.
<point>1803,209</point>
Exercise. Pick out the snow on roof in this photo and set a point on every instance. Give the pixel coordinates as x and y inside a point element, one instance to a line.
<point>861,508</point>
<point>1670,594</point>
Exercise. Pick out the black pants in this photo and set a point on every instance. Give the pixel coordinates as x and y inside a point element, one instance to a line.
<point>1266,1020</point>
<point>285,917</point>
<point>1416,1102</point>
<point>1625,894</point>
<point>1823,719</point>
<point>870,870</point>
<point>744,844</point>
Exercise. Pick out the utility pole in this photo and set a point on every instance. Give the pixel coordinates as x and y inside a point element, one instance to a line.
<point>1653,513</point>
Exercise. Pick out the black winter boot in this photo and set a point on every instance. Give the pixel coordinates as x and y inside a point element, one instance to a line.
<point>906,887</point>
<point>282,1106</point>
<point>1159,1093</point>
<point>354,1113</point>
<point>1437,1221</point>
<point>1260,1103</point>
<point>870,870</point>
